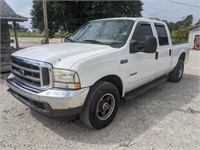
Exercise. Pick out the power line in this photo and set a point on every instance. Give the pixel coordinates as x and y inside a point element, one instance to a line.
<point>183,3</point>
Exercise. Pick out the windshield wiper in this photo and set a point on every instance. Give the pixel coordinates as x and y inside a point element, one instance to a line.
<point>94,41</point>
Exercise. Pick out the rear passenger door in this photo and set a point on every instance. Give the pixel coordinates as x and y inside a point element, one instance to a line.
<point>164,51</point>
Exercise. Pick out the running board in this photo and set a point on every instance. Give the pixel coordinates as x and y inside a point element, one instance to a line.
<point>136,92</point>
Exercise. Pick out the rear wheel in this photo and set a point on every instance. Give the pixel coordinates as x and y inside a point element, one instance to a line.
<point>101,105</point>
<point>177,73</point>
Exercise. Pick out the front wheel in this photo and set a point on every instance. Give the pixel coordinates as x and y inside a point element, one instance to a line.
<point>101,105</point>
<point>177,73</point>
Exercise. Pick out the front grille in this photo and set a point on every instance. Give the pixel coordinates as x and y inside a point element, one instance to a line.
<point>34,74</point>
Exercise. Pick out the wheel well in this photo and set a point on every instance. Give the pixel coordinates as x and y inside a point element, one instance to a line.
<point>114,80</point>
<point>182,57</point>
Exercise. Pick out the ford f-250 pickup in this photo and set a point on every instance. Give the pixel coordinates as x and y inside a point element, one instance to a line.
<point>100,64</point>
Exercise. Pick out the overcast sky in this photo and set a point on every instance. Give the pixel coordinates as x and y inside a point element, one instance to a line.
<point>163,9</point>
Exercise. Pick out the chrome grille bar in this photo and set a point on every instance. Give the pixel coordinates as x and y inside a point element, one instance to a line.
<point>26,69</point>
<point>27,77</point>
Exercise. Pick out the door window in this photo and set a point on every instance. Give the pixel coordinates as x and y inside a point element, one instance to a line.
<point>162,35</point>
<point>142,30</point>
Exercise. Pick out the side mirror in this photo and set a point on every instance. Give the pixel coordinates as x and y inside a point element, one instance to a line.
<point>136,46</point>
<point>150,44</point>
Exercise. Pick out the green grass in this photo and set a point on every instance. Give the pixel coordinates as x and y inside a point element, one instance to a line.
<point>25,34</point>
<point>33,35</point>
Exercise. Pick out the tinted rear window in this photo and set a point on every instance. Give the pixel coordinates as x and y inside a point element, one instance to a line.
<point>162,35</point>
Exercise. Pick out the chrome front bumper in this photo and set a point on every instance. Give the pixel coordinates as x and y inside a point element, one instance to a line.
<point>55,99</point>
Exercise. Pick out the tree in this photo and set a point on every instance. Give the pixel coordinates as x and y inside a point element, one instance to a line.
<point>18,27</point>
<point>69,15</point>
<point>180,29</point>
<point>187,21</point>
<point>180,35</point>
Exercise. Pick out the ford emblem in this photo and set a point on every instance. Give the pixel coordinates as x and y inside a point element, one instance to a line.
<point>22,73</point>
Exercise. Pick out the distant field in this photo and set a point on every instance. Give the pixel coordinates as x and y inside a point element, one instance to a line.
<point>33,35</point>
<point>25,34</point>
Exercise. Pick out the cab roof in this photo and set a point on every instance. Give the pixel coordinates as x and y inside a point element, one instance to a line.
<point>131,18</point>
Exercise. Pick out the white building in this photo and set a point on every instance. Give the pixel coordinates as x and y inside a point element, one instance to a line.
<point>194,37</point>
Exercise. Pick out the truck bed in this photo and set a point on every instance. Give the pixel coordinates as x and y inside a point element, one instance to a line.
<point>177,49</point>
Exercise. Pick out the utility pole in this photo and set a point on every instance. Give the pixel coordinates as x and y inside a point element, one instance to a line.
<point>15,32</point>
<point>45,21</point>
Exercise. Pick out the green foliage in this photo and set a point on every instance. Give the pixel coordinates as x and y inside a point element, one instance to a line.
<point>187,21</point>
<point>69,15</point>
<point>180,35</point>
<point>38,35</point>
<point>28,34</point>
<point>180,29</point>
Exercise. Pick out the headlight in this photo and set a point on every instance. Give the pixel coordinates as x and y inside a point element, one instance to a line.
<point>66,79</point>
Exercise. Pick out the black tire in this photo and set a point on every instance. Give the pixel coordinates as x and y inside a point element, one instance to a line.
<point>101,93</point>
<point>177,73</point>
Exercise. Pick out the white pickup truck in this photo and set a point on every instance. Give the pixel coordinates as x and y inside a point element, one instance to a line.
<point>103,62</point>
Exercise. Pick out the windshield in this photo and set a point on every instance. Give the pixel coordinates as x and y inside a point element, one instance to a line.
<point>107,32</point>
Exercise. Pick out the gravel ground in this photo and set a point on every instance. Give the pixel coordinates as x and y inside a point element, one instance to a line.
<point>165,117</point>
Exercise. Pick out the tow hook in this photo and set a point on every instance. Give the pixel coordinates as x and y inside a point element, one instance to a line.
<point>9,90</point>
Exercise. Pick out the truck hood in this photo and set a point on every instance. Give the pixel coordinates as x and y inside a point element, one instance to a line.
<point>62,55</point>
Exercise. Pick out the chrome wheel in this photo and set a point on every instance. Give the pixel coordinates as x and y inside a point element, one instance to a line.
<point>105,106</point>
